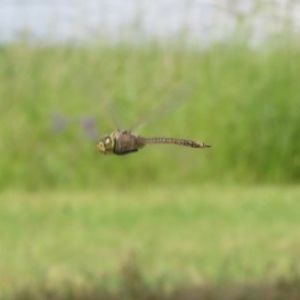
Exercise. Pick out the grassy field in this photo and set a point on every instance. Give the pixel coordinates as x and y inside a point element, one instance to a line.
<point>201,234</point>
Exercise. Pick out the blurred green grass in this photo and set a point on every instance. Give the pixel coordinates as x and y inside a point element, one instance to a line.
<point>207,233</point>
<point>243,101</point>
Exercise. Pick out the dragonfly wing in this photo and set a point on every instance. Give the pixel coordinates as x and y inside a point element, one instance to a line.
<point>162,109</point>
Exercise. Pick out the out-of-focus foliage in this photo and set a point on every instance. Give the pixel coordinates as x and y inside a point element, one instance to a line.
<point>55,100</point>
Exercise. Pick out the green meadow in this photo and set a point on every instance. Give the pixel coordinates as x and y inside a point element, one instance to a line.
<point>190,234</point>
<point>75,224</point>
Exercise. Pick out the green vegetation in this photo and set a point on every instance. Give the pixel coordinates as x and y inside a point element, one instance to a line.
<point>192,220</point>
<point>245,102</point>
<point>205,234</point>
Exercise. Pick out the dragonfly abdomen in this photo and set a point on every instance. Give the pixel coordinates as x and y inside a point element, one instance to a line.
<point>174,141</point>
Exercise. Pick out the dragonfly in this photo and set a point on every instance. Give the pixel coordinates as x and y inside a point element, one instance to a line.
<point>122,142</point>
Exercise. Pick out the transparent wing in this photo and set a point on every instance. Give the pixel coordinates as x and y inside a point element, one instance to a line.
<point>162,109</point>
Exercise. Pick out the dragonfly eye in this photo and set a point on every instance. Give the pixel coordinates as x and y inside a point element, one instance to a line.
<point>106,145</point>
<point>107,141</point>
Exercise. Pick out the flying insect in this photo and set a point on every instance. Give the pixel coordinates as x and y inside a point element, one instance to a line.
<point>122,142</point>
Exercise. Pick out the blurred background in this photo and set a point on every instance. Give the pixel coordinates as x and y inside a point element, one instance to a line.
<point>73,71</point>
<point>225,72</point>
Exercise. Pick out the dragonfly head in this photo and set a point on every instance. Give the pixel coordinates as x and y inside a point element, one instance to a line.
<point>106,145</point>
